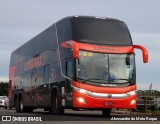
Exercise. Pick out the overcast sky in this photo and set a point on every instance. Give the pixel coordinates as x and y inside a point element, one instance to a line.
<point>20,20</point>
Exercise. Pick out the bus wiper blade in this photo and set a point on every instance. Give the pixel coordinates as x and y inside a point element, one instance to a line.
<point>93,79</point>
<point>122,79</point>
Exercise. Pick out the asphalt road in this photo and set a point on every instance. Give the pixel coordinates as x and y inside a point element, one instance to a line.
<point>70,116</point>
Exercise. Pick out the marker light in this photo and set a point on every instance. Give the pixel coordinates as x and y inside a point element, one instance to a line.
<point>81,100</point>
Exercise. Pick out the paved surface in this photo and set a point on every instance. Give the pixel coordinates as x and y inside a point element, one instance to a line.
<point>78,117</point>
<point>69,115</point>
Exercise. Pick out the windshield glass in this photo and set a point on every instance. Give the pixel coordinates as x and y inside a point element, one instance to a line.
<point>106,68</point>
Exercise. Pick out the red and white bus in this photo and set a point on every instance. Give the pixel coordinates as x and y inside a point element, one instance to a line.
<point>79,62</point>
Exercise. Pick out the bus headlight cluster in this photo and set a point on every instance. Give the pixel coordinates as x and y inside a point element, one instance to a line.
<point>81,100</point>
<point>131,93</point>
<point>133,102</point>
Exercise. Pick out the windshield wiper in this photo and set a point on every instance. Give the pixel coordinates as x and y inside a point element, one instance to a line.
<point>93,79</point>
<point>84,80</point>
<point>122,79</point>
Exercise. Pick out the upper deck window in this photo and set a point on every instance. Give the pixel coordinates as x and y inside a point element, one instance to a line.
<point>101,31</point>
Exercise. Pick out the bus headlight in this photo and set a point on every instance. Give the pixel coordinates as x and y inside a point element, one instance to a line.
<point>133,102</point>
<point>131,93</point>
<point>81,100</point>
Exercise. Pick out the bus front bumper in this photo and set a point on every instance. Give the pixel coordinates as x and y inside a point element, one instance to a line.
<point>81,100</point>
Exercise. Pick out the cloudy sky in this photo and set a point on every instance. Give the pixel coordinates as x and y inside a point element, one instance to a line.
<point>20,20</point>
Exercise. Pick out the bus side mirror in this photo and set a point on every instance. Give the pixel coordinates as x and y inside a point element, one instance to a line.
<point>144,52</point>
<point>74,45</point>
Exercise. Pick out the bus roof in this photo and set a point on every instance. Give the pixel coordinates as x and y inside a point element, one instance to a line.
<point>97,30</point>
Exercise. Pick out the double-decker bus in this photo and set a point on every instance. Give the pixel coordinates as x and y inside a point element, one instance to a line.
<point>79,62</point>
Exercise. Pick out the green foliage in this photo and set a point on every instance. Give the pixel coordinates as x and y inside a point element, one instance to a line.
<point>3,88</point>
<point>154,93</point>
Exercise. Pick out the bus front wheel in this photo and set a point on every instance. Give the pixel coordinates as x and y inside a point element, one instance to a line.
<point>56,107</point>
<point>106,112</point>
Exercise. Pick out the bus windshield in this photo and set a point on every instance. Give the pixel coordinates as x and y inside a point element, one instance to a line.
<point>106,68</point>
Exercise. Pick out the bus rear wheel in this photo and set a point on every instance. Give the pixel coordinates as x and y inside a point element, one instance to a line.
<point>21,105</point>
<point>56,107</point>
<point>21,108</point>
<point>106,112</point>
<point>17,104</point>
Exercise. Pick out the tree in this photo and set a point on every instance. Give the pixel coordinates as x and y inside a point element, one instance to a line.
<point>3,88</point>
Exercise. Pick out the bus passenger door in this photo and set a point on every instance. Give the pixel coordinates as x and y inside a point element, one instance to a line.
<point>68,83</point>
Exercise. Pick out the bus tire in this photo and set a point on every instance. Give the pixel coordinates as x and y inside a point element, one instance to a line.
<point>21,104</point>
<point>106,112</point>
<point>17,105</point>
<point>23,108</point>
<point>28,109</point>
<point>56,107</point>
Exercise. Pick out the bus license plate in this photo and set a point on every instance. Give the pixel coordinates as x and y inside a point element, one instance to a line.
<point>109,104</point>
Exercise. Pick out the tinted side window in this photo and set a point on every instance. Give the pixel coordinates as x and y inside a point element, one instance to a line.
<point>39,78</point>
<point>46,74</point>
<point>69,68</point>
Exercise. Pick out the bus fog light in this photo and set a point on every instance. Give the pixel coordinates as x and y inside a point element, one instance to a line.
<point>133,102</point>
<point>81,100</point>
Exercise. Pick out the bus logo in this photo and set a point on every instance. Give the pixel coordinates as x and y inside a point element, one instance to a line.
<point>109,95</point>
